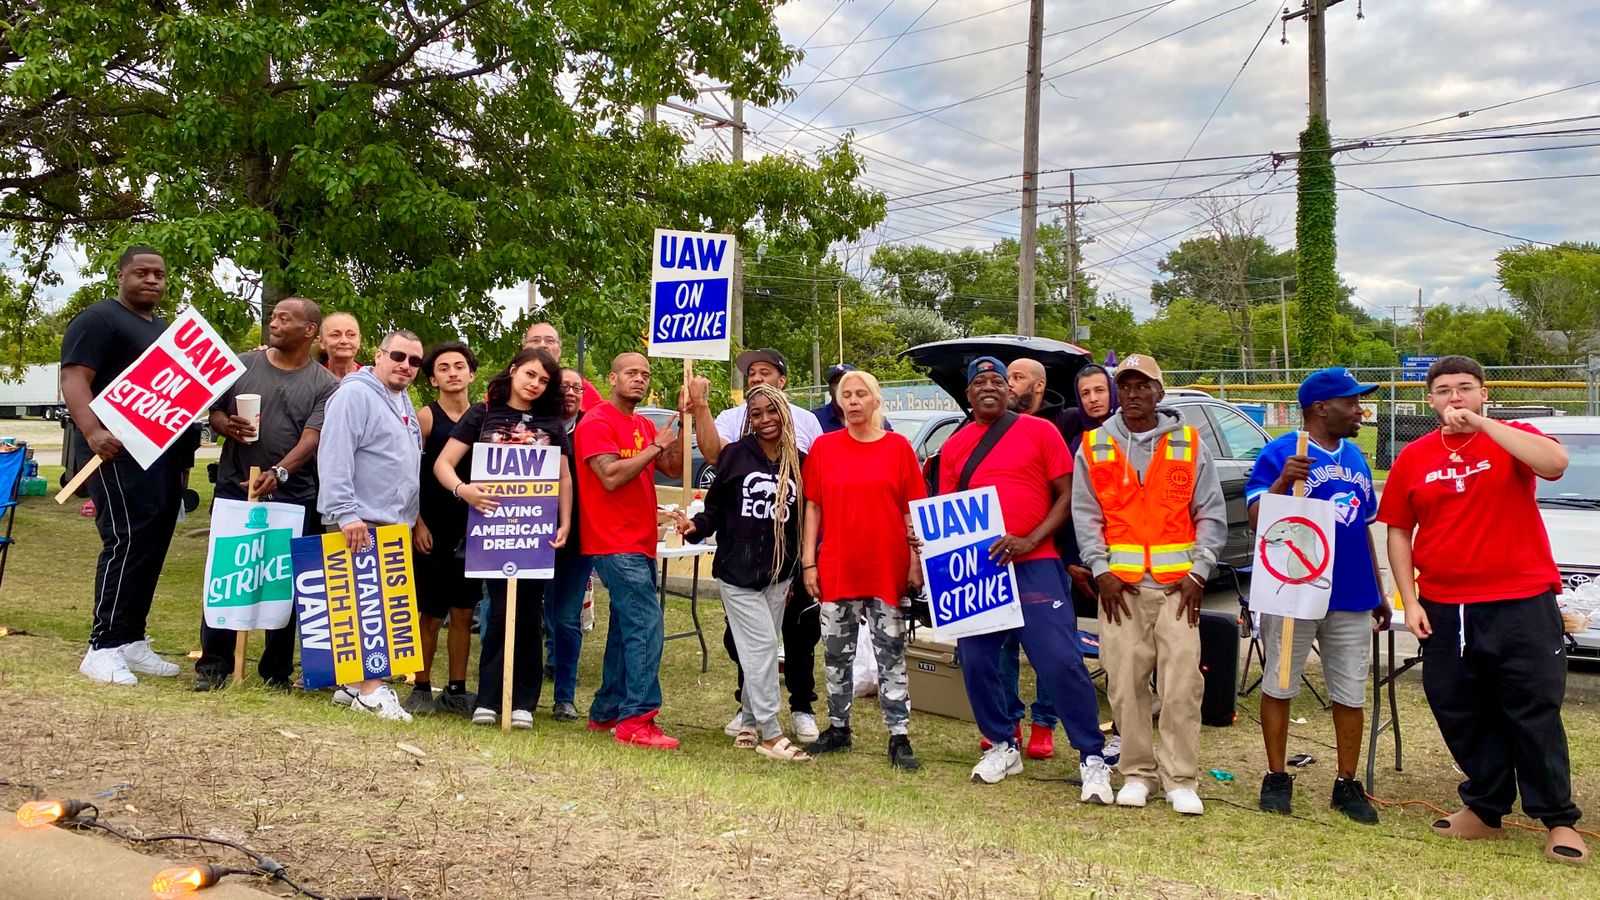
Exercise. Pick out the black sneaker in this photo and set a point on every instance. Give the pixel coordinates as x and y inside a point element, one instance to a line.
<point>564,712</point>
<point>900,755</point>
<point>1351,799</point>
<point>833,739</point>
<point>1277,792</point>
<point>210,681</point>
<point>280,685</point>
<point>456,704</point>
<point>419,701</point>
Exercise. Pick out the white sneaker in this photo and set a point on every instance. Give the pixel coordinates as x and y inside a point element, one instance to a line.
<point>805,727</point>
<point>1133,793</point>
<point>1185,801</point>
<point>998,762</point>
<point>106,666</point>
<point>383,703</point>
<point>343,696</point>
<point>1096,777</point>
<point>735,725</point>
<point>142,659</point>
<point>485,716</point>
<point>521,718</point>
<point>1113,751</point>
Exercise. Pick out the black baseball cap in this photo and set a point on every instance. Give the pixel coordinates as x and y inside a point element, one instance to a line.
<point>767,355</point>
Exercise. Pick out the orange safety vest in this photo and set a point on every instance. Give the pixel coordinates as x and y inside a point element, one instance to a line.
<point>1148,525</point>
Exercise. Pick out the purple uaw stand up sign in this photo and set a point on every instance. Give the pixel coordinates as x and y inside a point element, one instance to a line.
<point>513,541</point>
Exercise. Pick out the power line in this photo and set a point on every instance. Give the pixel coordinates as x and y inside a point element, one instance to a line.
<point>1444,218</point>
<point>1470,112</point>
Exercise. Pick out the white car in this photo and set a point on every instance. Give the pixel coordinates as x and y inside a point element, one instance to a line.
<point>1571,510</point>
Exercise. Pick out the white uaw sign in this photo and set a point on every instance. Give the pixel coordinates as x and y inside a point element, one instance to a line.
<point>1293,573</point>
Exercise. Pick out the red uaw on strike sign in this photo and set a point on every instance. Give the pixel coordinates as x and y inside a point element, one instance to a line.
<point>1293,573</point>
<point>175,380</point>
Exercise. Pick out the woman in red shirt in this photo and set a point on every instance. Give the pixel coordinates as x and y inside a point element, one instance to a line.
<point>859,484</point>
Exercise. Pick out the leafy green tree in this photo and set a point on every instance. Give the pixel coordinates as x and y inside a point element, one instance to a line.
<point>1494,337</point>
<point>1554,289</point>
<point>396,160</point>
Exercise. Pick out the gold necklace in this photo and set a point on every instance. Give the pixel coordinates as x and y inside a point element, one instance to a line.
<point>1455,452</point>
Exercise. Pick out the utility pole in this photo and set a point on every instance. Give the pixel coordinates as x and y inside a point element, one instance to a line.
<point>1394,326</point>
<point>736,302</point>
<point>1073,242</point>
<point>1419,321</point>
<point>1030,174</point>
<point>1283,318</point>
<point>816,343</point>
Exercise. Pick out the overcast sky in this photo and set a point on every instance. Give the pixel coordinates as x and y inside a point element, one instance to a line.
<point>1406,62</point>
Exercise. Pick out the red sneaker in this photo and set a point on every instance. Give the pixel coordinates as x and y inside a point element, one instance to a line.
<point>642,731</point>
<point>984,743</point>
<point>1041,742</point>
<point>602,726</point>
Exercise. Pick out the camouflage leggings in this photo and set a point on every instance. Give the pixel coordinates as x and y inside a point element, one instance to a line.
<point>841,624</point>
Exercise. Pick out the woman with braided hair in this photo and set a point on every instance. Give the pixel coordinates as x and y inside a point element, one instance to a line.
<point>755,506</point>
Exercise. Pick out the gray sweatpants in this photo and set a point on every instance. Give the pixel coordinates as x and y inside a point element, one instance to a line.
<point>756,619</point>
<point>841,626</point>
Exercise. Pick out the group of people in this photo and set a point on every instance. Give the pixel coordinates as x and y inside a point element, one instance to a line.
<point>1112,505</point>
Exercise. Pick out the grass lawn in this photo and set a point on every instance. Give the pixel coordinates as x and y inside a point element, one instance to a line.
<point>561,812</point>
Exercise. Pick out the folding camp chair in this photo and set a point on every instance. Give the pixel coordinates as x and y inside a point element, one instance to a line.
<point>1257,651</point>
<point>11,467</point>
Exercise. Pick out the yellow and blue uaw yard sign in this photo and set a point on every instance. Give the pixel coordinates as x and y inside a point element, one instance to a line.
<point>357,611</point>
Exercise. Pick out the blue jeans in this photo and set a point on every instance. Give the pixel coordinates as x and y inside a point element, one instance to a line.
<point>563,622</point>
<point>630,679</point>
<point>1049,633</point>
<point>1044,712</point>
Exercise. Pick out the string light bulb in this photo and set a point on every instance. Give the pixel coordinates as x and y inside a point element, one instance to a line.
<point>39,813</point>
<point>184,880</point>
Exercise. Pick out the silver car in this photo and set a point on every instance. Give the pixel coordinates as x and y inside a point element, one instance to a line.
<point>1571,510</point>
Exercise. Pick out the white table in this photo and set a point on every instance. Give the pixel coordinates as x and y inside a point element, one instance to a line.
<point>695,552</point>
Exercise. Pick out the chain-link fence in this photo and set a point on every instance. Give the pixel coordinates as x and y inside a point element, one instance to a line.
<point>1396,414</point>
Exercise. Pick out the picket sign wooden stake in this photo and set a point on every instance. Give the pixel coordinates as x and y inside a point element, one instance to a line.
<point>240,638</point>
<point>1286,650</point>
<point>510,651</point>
<point>685,442</point>
<point>78,479</point>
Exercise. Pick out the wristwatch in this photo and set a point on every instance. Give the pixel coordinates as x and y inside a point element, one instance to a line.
<point>280,473</point>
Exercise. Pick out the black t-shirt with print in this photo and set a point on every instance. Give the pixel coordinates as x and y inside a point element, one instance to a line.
<point>502,424</point>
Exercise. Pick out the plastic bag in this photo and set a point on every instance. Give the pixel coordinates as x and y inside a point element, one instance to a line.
<point>866,665</point>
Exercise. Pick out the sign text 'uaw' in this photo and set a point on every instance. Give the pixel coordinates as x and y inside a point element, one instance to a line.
<point>357,611</point>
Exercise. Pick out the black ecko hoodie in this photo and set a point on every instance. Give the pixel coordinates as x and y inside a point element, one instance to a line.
<point>739,508</point>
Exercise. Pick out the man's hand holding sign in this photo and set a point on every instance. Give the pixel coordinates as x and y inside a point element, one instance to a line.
<point>1294,553</point>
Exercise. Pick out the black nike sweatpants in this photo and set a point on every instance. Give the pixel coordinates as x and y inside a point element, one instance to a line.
<point>135,511</point>
<point>1495,674</point>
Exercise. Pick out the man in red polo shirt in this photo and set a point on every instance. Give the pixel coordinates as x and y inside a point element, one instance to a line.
<point>618,452</point>
<point>1460,508</point>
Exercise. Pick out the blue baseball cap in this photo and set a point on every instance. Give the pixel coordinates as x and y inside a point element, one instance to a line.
<point>983,365</point>
<point>1328,384</point>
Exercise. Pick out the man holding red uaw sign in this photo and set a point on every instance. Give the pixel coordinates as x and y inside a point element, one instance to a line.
<point>1316,578</point>
<point>993,572</point>
<point>134,387</point>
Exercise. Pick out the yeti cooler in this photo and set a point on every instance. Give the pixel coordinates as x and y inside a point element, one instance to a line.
<point>935,680</point>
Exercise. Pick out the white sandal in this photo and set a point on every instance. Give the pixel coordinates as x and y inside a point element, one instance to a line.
<point>783,751</point>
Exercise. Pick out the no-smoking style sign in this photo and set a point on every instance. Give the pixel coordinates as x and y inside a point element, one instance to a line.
<point>1293,557</point>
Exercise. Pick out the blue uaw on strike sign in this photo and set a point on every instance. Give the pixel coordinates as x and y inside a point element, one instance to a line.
<point>357,611</point>
<point>968,592</point>
<point>691,281</point>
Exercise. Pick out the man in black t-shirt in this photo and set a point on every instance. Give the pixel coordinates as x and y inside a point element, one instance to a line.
<point>293,389</point>
<point>135,509</point>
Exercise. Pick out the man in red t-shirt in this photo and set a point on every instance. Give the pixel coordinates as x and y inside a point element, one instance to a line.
<point>1031,470</point>
<point>618,452</point>
<point>1472,561</point>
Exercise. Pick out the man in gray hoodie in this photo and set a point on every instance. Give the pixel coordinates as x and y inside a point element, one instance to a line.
<point>1148,509</point>
<point>368,462</point>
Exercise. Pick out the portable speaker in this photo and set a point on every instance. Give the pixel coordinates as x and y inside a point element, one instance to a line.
<point>1219,664</point>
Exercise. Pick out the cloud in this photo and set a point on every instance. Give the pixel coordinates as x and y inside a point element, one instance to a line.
<point>1403,64</point>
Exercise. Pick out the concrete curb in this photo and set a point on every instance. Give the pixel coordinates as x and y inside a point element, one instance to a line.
<point>55,864</point>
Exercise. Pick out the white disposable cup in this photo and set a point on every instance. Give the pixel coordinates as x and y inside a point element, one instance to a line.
<point>250,409</point>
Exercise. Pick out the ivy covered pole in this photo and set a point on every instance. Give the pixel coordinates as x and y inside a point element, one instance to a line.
<point>1317,207</point>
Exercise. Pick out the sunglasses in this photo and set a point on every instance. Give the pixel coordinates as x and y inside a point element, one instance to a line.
<point>400,356</point>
